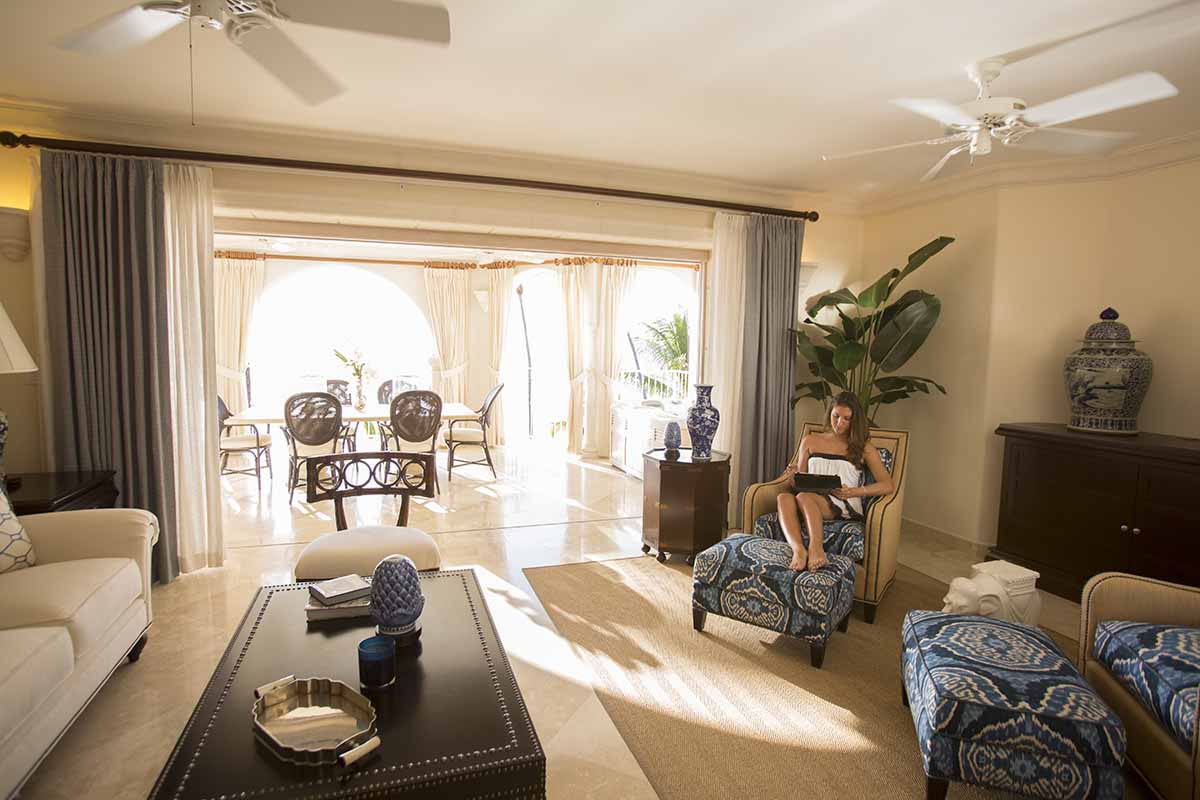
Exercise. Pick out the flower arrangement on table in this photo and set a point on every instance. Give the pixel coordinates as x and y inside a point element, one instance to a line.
<point>361,371</point>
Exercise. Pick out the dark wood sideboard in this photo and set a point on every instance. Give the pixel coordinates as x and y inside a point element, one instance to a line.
<point>44,492</point>
<point>1075,504</point>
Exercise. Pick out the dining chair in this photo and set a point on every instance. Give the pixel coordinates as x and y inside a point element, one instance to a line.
<point>472,436</point>
<point>384,394</point>
<point>339,389</point>
<point>341,475</point>
<point>257,445</point>
<point>415,418</point>
<point>312,427</point>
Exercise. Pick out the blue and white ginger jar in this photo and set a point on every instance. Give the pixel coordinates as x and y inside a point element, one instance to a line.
<point>702,421</point>
<point>1107,378</point>
<point>672,437</point>
<point>396,599</point>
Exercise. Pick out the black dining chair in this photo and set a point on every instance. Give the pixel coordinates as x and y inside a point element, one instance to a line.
<point>341,475</point>
<point>339,389</point>
<point>255,444</point>
<point>468,435</point>
<point>415,418</point>
<point>312,427</point>
<point>384,394</point>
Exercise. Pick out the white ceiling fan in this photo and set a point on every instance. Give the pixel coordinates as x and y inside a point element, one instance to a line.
<point>972,126</point>
<point>253,25</point>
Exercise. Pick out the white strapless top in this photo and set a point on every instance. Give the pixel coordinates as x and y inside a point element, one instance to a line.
<point>850,475</point>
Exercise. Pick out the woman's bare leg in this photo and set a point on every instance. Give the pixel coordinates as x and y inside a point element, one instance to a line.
<point>789,518</point>
<point>816,510</point>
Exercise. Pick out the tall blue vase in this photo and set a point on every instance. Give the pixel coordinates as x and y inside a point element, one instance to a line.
<point>702,421</point>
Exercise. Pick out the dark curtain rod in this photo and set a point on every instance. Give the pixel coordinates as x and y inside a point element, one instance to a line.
<point>10,139</point>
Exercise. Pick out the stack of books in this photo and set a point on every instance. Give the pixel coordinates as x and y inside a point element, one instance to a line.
<point>340,598</point>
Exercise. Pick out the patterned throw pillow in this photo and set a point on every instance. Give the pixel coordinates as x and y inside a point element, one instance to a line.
<point>16,548</point>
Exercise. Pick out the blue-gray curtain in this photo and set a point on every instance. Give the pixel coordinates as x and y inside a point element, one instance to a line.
<point>768,355</point>
<point>106,303</point>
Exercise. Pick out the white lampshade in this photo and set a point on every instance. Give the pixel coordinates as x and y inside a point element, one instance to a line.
<point>13,355</point>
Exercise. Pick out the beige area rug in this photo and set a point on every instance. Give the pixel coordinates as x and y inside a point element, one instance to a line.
<point>737,711</point>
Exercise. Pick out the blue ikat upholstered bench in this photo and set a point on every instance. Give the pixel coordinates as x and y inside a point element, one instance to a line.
<point>748,578</point>
<point>997,704</point>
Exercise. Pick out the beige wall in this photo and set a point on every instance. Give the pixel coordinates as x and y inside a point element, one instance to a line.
<point>1032,268</point>
<point>20,396</point>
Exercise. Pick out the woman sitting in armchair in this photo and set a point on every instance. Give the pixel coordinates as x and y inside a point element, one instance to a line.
<point>842,450</point>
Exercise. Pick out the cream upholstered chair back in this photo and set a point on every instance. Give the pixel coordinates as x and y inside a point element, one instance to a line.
<point>881,527</point>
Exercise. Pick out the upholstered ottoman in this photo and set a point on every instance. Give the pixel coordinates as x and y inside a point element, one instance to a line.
<point>997,704</point>
<point>748,578</point>
<point>358,550</point>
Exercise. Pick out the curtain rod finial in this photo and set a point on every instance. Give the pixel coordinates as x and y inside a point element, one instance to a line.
<point>813,216</point>
<point>10,139</point>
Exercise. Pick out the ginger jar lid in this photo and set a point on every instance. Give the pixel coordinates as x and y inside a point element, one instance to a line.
<point>1108,330</point>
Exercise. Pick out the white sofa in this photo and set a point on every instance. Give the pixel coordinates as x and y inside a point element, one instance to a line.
<point>67,624</point>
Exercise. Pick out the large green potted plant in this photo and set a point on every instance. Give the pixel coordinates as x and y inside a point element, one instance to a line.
<point>870,339</point>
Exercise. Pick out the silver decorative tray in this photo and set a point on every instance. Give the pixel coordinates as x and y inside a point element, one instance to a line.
<point>312,721</point>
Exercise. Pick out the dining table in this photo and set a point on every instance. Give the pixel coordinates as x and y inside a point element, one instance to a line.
<point>372,412</point>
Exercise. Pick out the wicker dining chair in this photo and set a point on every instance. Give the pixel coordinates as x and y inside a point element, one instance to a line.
<point>472,436</point>
<point>256,444</point>
<point>312,427</point>
<point>416,417</point>
<point>339,389</point>
<point>384,394</point>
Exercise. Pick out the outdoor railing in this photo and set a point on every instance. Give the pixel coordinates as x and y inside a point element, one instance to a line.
<point>662,385</point>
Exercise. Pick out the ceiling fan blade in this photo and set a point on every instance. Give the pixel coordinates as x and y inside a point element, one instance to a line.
<point>937,168</point>
<point>384,17</point>
<point>1023,53</point>
<point>1132,90</point>
<point>958,137</point>
<point>1073,141</point>
<point>284,59</point>
<point>120,31</point>
<point>940,110</point>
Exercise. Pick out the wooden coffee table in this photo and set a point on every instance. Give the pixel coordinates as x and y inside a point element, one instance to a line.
<point>454,725</point>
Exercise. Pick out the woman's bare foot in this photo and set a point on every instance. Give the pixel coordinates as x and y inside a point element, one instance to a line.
<point>816,559</point>
<point>799,559</point>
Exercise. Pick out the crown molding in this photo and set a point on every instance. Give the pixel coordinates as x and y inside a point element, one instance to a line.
<point>45,119</point>
<point>14,233</point>
<point>1163,154</point>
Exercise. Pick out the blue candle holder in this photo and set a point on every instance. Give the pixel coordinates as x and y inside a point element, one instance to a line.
<point>377,662</point>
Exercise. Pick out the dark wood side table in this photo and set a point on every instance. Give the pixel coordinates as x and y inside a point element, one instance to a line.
<point>684,502</point>
<point>43,492</point>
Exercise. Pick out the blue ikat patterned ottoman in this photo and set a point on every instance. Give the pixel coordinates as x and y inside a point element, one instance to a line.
<point>997,704</point>
<point>748,578</point>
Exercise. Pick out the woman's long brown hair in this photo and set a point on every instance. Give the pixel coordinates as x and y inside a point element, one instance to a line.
<point>856,440</point>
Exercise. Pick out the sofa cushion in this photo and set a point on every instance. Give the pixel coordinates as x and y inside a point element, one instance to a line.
<point>16,548</point>
<point>843,537</point>
<point>86,596</point>
<point>357,551</point>
<point>1160,666</point>
<point>1004,685</point>
<point>33,662</point>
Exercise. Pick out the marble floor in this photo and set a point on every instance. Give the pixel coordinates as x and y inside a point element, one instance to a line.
<point>544,509</point>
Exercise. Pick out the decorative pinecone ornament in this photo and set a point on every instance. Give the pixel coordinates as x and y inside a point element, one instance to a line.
<point>396,599</point>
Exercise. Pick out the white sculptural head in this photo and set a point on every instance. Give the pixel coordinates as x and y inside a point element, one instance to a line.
<point>981,595</point>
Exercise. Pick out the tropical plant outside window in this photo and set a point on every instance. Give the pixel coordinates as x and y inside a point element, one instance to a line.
<point>660,354</point>
<point>657,340</point>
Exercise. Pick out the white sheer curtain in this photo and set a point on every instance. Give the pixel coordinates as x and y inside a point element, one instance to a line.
<point>500,292</point>
<point>614,280</point>
<point>724,318</point>
<point>448,289</point>
<point>572,278</point>
<point>188,244</point>
<point>238,282</point>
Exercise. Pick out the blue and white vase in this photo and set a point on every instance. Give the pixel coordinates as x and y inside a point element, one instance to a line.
<point>702,421</point>
<point>672,437</point>
<point>396,598</point>
<point>1107,378</point>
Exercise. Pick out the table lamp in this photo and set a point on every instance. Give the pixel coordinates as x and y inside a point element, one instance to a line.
<point>13,358</point>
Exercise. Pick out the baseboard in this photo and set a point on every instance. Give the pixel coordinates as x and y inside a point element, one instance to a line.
<point>980,548</point>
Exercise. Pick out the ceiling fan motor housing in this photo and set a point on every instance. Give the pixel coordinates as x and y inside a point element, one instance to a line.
<point>994,112</point>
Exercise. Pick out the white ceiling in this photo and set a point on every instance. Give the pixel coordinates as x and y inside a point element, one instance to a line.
<point>750,92</point>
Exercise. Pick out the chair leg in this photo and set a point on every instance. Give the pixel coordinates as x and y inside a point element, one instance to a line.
<point>293,478</point>
<point>936,788</point>
<point>844,625</point>
<point>699,615</point>
<point>488,455</point>
<point>224,462</point>
<point>450,461</point>
<point>258,469</point>
<point>270,466</point>
<point>869,612</point>
<point>816,654</point>
<point>138,647</point>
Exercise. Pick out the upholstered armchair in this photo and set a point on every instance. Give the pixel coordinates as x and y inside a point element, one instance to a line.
<point>872,543</point>
<point>1132,651</point>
